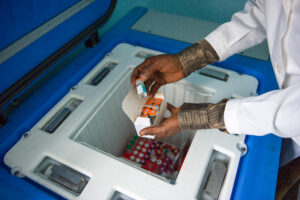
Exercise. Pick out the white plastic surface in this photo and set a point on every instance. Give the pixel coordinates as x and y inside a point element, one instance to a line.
<point>97,131</point>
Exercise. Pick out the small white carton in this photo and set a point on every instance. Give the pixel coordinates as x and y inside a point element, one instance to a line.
<point>131,106</point>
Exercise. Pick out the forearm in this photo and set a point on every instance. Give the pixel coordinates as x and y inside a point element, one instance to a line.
<point>202,116</point>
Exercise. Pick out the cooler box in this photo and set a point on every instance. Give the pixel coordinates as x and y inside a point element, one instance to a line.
<point>80,144</point>
<point>85,135</point>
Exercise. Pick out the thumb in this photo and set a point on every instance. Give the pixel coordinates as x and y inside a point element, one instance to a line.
<point>153,130</point>
<point>171,108</point>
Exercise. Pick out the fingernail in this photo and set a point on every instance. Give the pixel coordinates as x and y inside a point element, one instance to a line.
<point>142,77</point>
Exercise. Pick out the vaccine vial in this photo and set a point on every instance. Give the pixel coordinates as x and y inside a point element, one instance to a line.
<point>141,88</point>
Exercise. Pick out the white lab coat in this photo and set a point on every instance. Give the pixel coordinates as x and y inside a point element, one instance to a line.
<point>277,111</point>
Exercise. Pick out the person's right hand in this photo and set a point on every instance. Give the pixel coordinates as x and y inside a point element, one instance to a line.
<point>158,70</point>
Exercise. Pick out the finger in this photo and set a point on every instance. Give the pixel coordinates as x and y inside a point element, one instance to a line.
<point>148,70</point>
<point>148,83</point>
<point>137,71</point>
<point>154,88</point>
<point>164,119</point>
<point>171,108</point>
<point>135,75</point>
<point>168,127</point>
<point>153,130</point>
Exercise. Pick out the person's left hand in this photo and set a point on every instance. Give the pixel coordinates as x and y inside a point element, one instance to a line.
<point>168,127</point>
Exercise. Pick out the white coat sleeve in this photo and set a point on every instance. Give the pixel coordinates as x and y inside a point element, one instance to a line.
<point>246,29</point>
<point>275,112</point>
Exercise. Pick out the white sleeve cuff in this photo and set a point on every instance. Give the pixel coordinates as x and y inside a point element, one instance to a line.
<point>216,40</point>
<point>231,116</point>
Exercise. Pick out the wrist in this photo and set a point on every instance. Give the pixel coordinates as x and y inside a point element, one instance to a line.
<point>202,116</point>
<point>197,56</point>
<point>193,116</point>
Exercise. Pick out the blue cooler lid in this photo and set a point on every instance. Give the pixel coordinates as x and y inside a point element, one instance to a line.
<point>33,30</point>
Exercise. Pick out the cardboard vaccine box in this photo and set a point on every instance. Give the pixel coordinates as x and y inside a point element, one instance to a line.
<point>132,105</point>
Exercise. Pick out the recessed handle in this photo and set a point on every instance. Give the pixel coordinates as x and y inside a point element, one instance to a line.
<point>103,73</point>
<point>214,74</point>
<point>100,76</point>
<point>61,115</point>
<point>144,55</point>
<point>214,177</point>
<point>62,175</point>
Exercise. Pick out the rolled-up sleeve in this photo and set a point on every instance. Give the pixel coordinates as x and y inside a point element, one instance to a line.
<point>276,112</point>
<point>246,29</point>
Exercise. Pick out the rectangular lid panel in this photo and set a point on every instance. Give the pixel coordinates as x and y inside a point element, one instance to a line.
<point>33,30</point>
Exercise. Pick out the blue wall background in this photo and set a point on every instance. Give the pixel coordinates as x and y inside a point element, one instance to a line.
<point>218,11</point>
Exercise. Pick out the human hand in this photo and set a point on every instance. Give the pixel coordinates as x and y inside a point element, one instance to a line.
<point>168,127</point>
<point>158,70</point>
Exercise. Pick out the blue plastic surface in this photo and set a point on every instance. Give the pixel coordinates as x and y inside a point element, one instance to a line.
<point>18,18</point>
<point>257,174</point>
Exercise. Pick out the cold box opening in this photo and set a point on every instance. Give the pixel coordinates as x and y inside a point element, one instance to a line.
<point>109,130</point>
